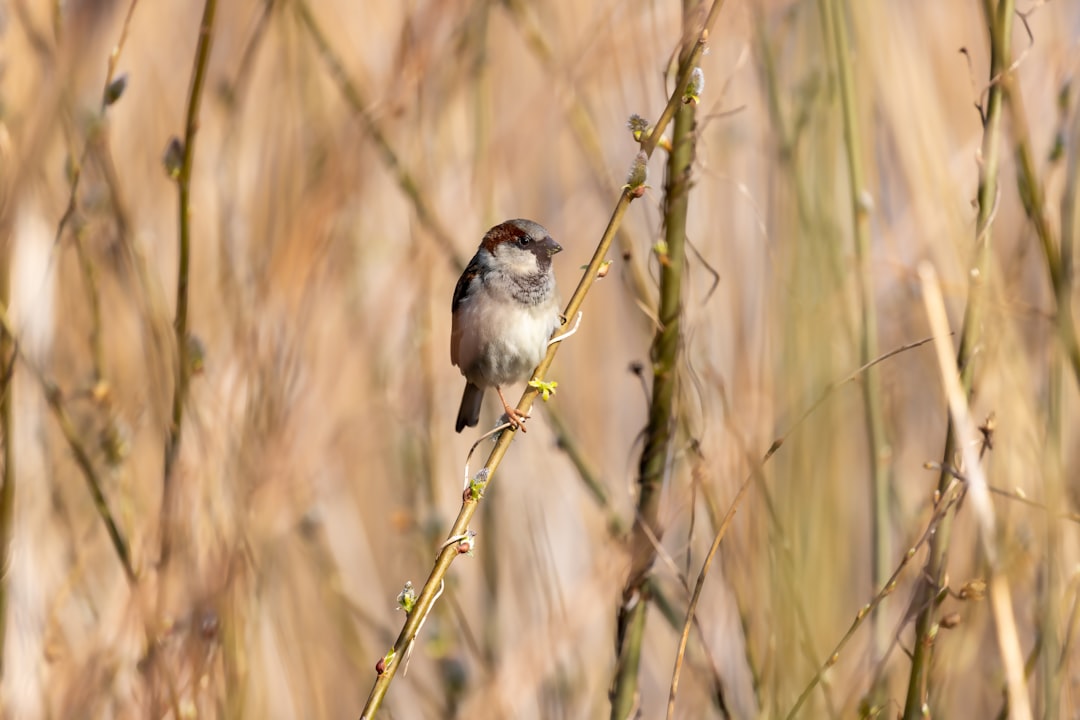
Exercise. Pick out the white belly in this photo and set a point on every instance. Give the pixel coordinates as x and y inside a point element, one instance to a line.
<point>504,340</point>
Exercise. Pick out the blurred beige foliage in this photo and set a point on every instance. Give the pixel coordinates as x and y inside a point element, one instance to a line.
<point>319,468</point>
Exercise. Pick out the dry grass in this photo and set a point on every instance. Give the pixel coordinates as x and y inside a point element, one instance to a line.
<point>318,467</point>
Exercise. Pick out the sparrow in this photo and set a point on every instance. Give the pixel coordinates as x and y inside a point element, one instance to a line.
<point>505,309</point>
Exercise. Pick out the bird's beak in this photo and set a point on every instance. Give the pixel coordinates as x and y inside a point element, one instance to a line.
<point>551,246</point>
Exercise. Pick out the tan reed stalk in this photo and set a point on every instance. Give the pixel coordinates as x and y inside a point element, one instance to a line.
<point>917,702</point>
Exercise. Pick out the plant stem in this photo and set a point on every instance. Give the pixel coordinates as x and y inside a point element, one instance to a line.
<point>82,456</point>
<point>1051,587</point>
<point>1033,197</point>
<point>7,428</point>
<point>180,324</point>
<point>684,638</point>
<point>655,454</point>
<point>1056,646</point>
<point>879,451</point>
<point>970,337</point>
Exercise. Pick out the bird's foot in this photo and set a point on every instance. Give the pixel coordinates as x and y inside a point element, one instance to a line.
<point>513,416</point>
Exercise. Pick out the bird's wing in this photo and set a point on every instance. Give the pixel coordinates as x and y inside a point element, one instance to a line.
<point>466,286</point>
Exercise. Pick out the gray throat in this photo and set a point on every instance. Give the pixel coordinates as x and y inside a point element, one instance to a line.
<point>529,289</point>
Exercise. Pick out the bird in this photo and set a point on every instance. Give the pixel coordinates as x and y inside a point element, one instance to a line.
<point>504,311</point>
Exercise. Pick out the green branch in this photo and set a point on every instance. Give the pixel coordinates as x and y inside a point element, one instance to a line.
<point>1057,257</point>
<point>662,412</point>
<point>180,324</point>
<point>878,440</point>
<point>1000,23</point>
<point>1033,197</point>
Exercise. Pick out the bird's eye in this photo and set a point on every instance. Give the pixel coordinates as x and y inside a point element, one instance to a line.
<point>524,240</point>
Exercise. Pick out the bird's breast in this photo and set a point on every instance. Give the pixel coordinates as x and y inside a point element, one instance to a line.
<point>502,341</point>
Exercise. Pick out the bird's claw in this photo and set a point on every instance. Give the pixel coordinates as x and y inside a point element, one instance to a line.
<point>515,418</point>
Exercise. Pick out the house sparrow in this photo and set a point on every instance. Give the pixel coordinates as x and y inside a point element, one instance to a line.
<point>504,312</point>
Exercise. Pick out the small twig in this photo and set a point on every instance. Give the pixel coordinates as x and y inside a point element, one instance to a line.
<point>82,456</point>
<point>494,431</point>
<point>713,272</point>
<point>831,387</point>
<point>8,352</point>
<point>180,324</point>
<point>1033,196</point>
<point>665,556</point>
<point>684,638</point>
<point>759,464</point>
<point>939,514</point>
<point>110,74</point>
<point>93,482</point>
<point>97,341</point>
<point>1017,496</point>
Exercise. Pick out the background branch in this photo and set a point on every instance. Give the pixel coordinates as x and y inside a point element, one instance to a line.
<point>665,355</point>
<point>1000,23</point>
<point>180,324</point>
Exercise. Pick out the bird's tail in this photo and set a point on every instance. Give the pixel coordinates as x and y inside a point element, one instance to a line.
<point>469,413</point>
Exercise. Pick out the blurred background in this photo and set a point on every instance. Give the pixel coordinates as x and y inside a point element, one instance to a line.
<point>349,158</point>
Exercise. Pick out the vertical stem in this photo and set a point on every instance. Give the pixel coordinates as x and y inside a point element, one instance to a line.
<point>1052,585</point>
<point>1058,261</point>
<point>97,336</point>
<point>7,427</point>
<point>631,631</point>
<point>1054,646</point>
<point>665,356</point>
<point>180,324</point>
<point>1033,197</point>
<point>999,21</point>
<point>879,451</point>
